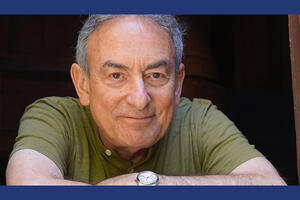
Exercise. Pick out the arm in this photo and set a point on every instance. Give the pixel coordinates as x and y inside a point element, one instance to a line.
<point>257,171</point>
<point>29,167</point>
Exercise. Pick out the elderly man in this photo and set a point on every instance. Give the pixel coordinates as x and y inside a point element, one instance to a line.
<point>129,125</point>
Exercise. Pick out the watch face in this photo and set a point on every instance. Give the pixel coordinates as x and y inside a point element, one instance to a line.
<point>147,178</point>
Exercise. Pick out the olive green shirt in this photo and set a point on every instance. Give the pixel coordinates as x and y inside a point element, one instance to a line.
<point>201,140</point>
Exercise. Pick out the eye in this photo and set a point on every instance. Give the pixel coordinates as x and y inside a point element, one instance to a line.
<point>114,78</point>
<point>156,79</point>
<point>116,75</point>
<point>156,75</point>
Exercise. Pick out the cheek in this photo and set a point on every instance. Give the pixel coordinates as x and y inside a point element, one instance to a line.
<point>104,100</point>
<point>163,96</point>
<point>164,102</point>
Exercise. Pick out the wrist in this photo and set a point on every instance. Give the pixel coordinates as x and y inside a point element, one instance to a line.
<point>162,179</point>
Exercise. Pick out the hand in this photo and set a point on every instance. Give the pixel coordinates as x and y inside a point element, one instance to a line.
<point>127,179</point>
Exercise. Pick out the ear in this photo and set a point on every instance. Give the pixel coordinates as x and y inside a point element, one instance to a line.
<point>179,82</point>
<point>81,83</point>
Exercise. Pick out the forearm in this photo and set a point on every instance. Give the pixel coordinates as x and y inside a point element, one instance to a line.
<point>29,167</point>
<point>126,179</point>
<point>41,181</point>
<point>60,182</point>
<point>233,179</point>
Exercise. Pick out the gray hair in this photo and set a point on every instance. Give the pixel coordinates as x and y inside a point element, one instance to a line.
<point>168,22</point>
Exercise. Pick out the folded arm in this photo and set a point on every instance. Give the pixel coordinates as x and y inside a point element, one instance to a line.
<point>29,167</point>
<point>257,171</point>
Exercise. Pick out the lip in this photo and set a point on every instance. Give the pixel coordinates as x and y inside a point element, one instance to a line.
<point>137,117</point>
<point>137,122</point>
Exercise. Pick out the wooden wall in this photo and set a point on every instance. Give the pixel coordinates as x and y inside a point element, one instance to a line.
<point>227,59</point>
<point>294,33</point>
<point>202,77</point>
<point>35,55</point>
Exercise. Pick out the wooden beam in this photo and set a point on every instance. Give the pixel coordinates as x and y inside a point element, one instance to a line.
<point>294,37</point>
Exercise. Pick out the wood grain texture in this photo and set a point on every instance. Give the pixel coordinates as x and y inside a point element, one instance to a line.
<point>294,37</point>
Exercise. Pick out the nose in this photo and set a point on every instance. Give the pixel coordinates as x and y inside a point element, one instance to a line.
<point>138,95</point>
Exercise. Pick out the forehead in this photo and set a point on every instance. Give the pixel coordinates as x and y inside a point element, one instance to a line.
<point>130,36</point>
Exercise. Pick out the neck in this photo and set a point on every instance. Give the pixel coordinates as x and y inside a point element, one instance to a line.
<point>134,156</point>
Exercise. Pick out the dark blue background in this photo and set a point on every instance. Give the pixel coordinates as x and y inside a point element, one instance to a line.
<point>153,6</point>
<point>153,193</point>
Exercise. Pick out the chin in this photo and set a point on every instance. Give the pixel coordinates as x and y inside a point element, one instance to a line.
<point>141,143</point>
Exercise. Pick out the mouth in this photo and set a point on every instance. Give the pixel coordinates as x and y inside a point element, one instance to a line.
<point>139,119</point>
<point>137,123</point>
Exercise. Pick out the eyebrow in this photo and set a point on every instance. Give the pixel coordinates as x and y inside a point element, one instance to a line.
<point>158,64</point>
<point>112,64</point>
<point>109,63</point>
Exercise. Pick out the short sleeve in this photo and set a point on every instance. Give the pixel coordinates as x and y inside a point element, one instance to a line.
<point>43,128</point>
<point>221,145</point>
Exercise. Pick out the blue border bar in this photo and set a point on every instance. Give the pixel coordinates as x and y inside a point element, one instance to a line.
<point>153,193</point>
<point>150,6</point>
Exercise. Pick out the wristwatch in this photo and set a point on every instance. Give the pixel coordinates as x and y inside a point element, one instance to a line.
<point>147,178</point>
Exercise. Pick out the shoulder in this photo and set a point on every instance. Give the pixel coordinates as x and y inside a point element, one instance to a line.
<point>53,112</point>
<point>189,116</point>
<point>204,120</point>
<point>55,102</point>
<point>196,109</point>
<point>195,102</point>
<point>58,106</point>
<point>62,113</point>
<point>55,127</point>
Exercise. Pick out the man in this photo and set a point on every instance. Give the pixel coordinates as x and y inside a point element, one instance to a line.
<point>130,118</point>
